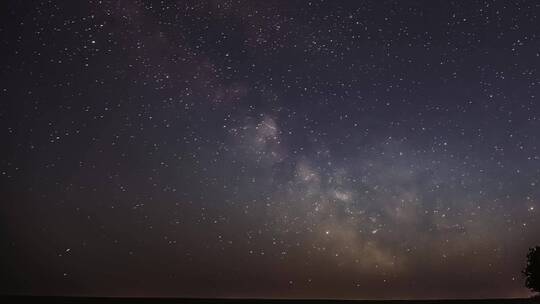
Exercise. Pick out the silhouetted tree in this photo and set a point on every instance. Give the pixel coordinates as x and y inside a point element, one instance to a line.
<point>532,270</point>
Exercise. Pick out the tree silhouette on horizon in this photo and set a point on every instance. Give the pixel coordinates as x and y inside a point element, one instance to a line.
<point>532,269</point>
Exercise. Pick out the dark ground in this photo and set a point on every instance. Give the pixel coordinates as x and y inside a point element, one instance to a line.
<point>32,299</point>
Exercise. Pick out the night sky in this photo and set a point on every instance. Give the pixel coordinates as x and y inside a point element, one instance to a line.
<point>279,149</point>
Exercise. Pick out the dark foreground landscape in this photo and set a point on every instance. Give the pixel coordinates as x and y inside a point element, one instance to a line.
<point>35,299</point>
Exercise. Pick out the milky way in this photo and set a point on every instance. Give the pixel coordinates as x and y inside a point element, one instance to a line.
<point>283,149</point>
